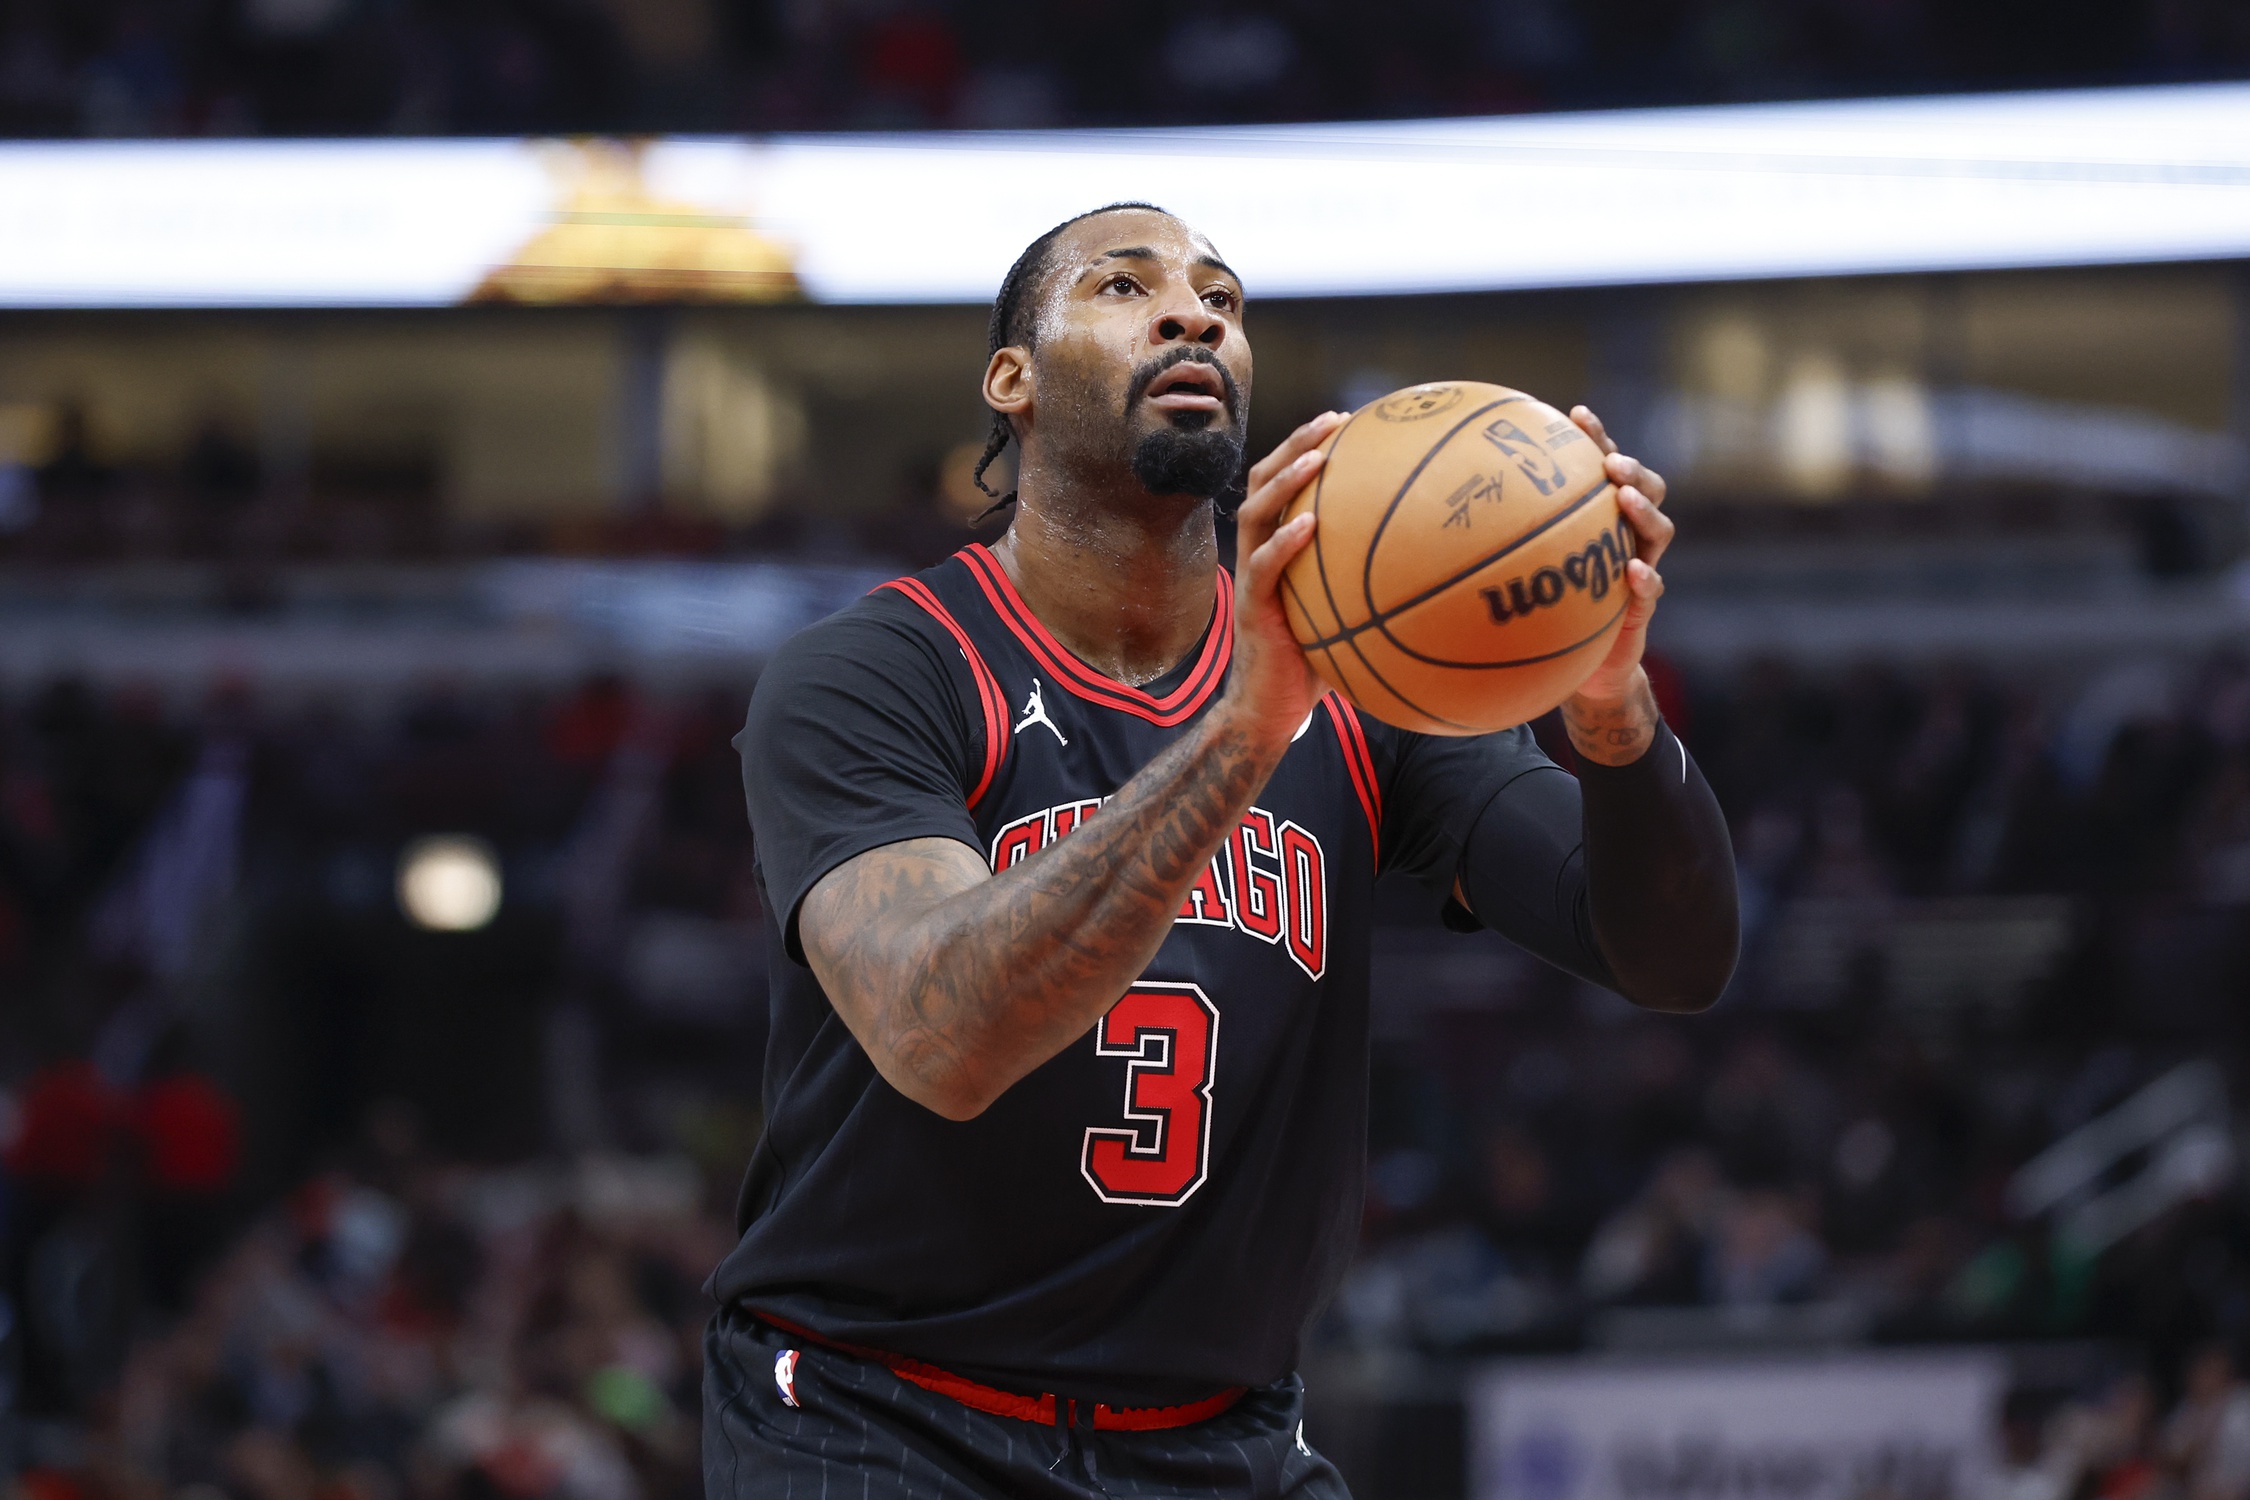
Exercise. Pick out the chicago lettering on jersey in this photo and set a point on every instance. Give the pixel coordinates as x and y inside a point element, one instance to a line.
<point>1269,881</point>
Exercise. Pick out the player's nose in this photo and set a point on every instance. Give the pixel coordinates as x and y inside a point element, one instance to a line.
<point>1189,322</point>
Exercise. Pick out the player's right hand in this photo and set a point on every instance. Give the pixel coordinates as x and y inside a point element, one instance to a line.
<point>1272,684</point>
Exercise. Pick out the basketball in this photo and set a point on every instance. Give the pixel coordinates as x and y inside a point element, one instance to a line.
<point>1468,568</point>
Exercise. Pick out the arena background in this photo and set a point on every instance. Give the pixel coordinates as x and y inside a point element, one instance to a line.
<point>417,420</point>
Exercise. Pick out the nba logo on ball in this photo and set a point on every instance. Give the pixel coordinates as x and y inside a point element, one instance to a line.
<point>785,1376</point>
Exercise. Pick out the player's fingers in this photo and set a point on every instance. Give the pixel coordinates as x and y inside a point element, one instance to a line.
<point>1652,529</point>
<point>1652,484</point>
<point>1646,586</point>
<point>1624,469</point>
<point>1592,426</point>
<point>1293,446</point>
<point>1261,575</point>
<point>1255,521</point>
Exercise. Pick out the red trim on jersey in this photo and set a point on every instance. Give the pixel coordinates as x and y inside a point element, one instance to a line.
<point>1048,1410</point>
<point>1360,762</point>
<point>988,687</point>
<point>1176,707</point>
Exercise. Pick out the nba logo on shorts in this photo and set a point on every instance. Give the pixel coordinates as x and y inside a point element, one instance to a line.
<point>785,1376</point>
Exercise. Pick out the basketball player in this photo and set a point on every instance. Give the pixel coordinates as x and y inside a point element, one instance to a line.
<point>1069,864</point>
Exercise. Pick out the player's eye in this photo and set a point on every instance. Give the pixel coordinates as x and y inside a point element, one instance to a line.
<point>1219,297</point>
<point>1122,284</point>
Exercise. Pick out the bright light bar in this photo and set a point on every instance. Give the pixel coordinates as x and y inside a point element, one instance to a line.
<point>1960,183</point>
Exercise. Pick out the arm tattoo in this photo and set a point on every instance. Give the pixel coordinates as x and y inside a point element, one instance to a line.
<point>958,982</point>
<point>1613,734</point>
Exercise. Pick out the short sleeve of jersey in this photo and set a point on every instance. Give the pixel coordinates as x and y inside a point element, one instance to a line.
<point>1436,786</point>
<point>858,736</point>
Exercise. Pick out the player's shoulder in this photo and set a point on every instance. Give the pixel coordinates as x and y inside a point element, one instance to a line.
<point>883,639</point>
<point>886,629</point>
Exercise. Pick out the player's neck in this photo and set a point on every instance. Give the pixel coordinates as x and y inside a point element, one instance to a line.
<point>1127,582</point>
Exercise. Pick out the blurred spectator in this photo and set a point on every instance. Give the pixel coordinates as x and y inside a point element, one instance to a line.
<point>2026,1469</point>
<point>910,67</point>
<point>68,1126</point>
<point>2207,1439</point>
<point>72,479</point>
<point>133,86</point>
<point>1522,1205</point>
<point>1653,1249</point>
<point>1763,1253</point>
<point>220,475</point>
<point>1228,61</point>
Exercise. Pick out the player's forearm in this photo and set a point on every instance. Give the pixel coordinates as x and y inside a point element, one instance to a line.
<point>1660,877</point>
<point>1613,731</point>
<point>958,997</point>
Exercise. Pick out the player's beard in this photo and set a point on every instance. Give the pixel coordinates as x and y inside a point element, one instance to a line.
<point>1192,454</point>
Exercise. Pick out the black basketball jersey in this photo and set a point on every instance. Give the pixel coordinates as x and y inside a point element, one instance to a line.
<point>1158,1211</point>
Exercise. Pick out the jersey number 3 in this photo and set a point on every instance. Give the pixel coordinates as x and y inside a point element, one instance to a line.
<point>1170,1034</point>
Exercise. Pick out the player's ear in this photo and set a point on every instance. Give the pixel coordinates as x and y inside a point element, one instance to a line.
<point>1008,381</point>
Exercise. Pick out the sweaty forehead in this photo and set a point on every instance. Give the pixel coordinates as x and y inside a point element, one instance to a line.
<point>1091,240</point>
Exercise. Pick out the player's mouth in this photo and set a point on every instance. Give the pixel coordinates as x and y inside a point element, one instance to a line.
<point>1189,387</point>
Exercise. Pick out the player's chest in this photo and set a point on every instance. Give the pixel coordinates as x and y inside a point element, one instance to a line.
<point>1303,843</point>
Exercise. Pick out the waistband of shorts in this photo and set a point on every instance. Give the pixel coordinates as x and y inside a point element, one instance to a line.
<point>1048,1410</point>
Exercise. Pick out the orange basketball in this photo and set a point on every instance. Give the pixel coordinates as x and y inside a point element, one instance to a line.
<point>1468,570</point>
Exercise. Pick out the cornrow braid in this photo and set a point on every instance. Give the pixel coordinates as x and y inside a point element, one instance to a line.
<point>1010,326</point>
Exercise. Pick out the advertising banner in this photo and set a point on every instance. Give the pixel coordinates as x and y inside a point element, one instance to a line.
<point>2068,178</point>
<point>1909,1426</point>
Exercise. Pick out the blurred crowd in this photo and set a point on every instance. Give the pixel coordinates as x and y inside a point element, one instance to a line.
<point>372,67</point>
<point>412,1329</point>
<point>217,501</point>
<point>266,1231</point>
<point>299,1201</point>
<point>2132,1435</point>
<point>1978,915</point>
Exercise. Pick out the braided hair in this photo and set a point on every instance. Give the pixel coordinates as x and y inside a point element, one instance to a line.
<point>1011,324</point>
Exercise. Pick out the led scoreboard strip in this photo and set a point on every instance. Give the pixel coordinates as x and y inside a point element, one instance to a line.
<point>1952,183</point>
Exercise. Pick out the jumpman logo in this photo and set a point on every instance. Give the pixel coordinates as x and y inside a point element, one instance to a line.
<point>1035,712</point>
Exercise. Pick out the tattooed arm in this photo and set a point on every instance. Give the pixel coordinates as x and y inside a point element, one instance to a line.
<point>958,982</point>
<point>1615,732</point>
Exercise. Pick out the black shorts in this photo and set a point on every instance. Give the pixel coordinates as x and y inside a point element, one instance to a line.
<point>858,1429</point>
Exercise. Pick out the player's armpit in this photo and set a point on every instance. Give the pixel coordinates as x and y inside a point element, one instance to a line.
<point>1523,873</point>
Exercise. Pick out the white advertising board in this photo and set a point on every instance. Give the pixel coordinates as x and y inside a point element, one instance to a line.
<point>1915,1426</point>
<point>2065,178</point>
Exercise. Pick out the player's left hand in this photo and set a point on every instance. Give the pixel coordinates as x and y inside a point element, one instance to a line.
<point>1640,498</point>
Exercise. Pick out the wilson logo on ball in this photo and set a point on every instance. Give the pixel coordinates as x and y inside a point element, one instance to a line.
<point>1590,571</point>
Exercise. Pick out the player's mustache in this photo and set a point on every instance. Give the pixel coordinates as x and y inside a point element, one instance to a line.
<point>1147,375</point>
